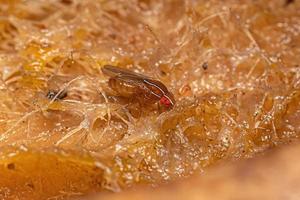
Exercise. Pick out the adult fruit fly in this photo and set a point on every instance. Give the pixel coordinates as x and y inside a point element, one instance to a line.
<point>144,89</point>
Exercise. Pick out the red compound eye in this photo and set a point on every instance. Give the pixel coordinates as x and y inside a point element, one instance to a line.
<point>165,101</point>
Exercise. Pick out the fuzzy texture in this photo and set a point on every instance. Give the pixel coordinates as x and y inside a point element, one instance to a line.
<point>233,67</point>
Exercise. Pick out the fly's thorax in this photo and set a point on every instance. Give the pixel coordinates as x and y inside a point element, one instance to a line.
<point>159,91</point>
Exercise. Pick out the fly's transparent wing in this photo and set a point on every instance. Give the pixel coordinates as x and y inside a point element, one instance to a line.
<point>114,71</point>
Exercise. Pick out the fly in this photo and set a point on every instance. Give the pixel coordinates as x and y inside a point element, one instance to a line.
<point>133,85</point>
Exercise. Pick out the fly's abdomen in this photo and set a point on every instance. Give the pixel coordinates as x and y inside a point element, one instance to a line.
<point>122,88</point>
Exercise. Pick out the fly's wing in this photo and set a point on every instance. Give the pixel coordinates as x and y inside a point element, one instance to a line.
<point>114,71</point>
<point>131,80</point>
